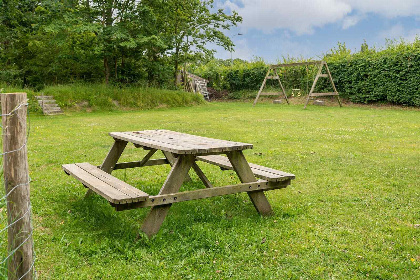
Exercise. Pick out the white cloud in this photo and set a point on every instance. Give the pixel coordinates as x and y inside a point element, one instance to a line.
<point>302,16</point>
<point>242,50</point>
<point>350,21</point>
<point>388,8</point>
<point>399,32</point>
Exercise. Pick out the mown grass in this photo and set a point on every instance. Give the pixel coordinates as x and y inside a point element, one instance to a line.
<point>352,212</point>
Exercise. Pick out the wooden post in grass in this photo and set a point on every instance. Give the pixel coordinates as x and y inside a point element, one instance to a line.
<point>16,181</point>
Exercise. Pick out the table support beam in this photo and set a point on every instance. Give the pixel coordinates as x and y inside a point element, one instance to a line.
<point>202,193</point>
<point>202,176</point>
<point>111,159</point>
<point>134,164</point>
<point>171,158</point>
<point>176,177</point>
<point>244,172</point>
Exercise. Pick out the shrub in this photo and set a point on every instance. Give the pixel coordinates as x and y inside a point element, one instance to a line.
<point>387,75</point>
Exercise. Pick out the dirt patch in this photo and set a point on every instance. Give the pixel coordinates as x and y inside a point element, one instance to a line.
<point>217,94</point>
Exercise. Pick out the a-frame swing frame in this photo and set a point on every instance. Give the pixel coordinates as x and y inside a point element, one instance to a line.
<point>274,69</point>
<point>321,75</point>
<point>272,74</point>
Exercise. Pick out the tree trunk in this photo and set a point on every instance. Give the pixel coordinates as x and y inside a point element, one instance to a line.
<point>176,65</point>
<point>116,67</point>
<point>106,68</point>
<point>108,20</point>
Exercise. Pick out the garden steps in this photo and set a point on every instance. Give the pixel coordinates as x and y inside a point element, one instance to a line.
<point>48,105</point>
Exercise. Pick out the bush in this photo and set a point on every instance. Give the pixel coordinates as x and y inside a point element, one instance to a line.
<point>387,75</point>
<point>376,76</point>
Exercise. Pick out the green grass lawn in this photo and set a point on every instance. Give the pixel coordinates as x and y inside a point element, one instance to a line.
<point>353,211</point>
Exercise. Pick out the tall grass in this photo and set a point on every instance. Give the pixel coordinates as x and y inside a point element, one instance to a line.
<point>108,97</point>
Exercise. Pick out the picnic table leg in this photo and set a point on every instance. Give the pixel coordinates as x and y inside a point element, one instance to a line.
<point>202,176</point>
<point>241,167</point>
<point>176,177</point>
<point>171,158</point>
<point>111,159</point>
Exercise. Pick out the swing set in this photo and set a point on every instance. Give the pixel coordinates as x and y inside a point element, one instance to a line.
<point>273,74</point>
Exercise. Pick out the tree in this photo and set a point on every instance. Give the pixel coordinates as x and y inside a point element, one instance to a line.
<point>49,41</point>
<point>189,26</point>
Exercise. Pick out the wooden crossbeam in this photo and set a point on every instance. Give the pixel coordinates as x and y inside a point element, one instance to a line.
<point>319,75</point>
<point>272,74</point>
<point>166,199</point>
<point>134,164</point>
<point>324,94</point>
<point>295,64</point>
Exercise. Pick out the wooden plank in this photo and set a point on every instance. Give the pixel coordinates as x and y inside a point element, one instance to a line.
<point>179,143</point>
<point>134,164</point>
<point>332,83</point>
<point>44,97</point>
<point>46,101</point>
<point>263,172</point>
<point>171,158</point>
<point>314,84</point>
<point>176,177</point>
<point>113,156</point>
<point>51,108</point>
<point>111,159</point>
<point>121,186</point>
<point>323,75</point>
<point>262,87</point>
<point>202,176</point>
<point>204,193</point>
<point>136,139</point>
<point>273,77</point>
<point>324,94</point>
<point>244,172</point>
<point>147,157</point>
<point>282,88</point>
<point>192,140</point>
<point>96,185</point>
<point>295,64</point>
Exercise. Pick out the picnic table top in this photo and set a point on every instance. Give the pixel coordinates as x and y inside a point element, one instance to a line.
<point>179,143</point>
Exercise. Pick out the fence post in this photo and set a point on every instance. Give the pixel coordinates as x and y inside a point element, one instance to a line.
<point>16,181</point>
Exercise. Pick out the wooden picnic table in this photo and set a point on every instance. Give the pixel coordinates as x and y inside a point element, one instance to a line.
<point>181,151</point>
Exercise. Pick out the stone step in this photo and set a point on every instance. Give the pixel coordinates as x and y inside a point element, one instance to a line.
<point>48,105</point>
<point>44,97</point>
<point>51,108</point>
<point>55,112</point>
<point>46,101</point>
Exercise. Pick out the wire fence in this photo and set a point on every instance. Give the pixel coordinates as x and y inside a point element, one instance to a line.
<point>16,240</point>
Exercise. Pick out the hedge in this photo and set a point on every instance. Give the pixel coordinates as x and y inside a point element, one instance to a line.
<point>388,75</point>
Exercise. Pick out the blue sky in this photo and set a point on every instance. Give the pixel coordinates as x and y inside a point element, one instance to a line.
<point>272,29</point>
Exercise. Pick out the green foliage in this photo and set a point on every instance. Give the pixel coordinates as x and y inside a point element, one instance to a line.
<point>235,76</point>
<point>120,41</point>
<point>109,97</point>
<point>391,74</point>
<point>387,75</point>
<point>101,96</point>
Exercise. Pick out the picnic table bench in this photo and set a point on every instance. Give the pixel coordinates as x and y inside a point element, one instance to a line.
<point>181,151</point>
